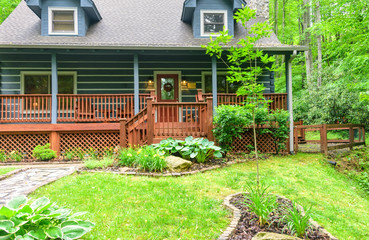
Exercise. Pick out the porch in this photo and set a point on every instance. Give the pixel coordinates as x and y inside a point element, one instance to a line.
<point>95,108</point>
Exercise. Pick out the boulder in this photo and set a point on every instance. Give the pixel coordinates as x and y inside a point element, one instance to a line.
<point>273,236</point>
<point>177,164</point>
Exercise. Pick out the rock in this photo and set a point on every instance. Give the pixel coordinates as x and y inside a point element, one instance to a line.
<point>177,164</point>
<point>273,236</point>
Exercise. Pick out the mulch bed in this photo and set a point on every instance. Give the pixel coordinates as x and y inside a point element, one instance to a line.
<point>248,225</point>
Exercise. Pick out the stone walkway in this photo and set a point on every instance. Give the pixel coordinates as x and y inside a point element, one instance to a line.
<point>25,182</point>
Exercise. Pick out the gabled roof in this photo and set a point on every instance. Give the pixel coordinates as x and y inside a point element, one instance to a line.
<point>125,24</point>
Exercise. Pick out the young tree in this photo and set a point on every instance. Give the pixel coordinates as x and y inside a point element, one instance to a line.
<point>245,62</point>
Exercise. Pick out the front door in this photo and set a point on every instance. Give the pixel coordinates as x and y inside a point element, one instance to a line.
<point>167,92</point>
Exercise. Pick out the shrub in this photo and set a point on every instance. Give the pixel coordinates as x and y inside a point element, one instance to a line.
<point>127,157</point>
<point>40,219</point>
<point>149,159</point>
<point>15,156</point>
<point>3,156</point>
<point>229,122</point>
<point>296,222</point>
<point>260,202</point>
<point>43,153</point>
<point>69,155</point>
<point>200,149</point>
<point>279,129</point>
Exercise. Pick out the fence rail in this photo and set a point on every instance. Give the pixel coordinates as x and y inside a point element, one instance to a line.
<point>277,100</point>
<point>324,142</point>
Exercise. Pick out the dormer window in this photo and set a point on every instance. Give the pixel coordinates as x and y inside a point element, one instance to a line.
<point>63,21</point>
<point>213,21</point>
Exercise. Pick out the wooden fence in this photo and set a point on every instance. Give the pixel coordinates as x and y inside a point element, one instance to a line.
<point>324,142</point>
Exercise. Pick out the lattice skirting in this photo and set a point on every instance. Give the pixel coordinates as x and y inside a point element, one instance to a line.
<point>265,143</point>
<point>96,140</point>
<point>23,143</point>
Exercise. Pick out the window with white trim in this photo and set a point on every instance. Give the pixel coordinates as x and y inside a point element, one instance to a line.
<point>63,21</point>
<point>213,21</point>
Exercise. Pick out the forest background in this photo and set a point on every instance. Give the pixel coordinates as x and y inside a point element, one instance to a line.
<point>331,79</point>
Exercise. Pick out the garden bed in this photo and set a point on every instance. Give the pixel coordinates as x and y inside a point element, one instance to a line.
<point>245,223</point>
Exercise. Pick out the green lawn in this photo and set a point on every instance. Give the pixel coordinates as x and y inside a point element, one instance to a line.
<point>190,207</point>
<point>6,170</point>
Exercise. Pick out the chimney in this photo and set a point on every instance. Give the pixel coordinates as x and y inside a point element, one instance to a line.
<point>261,7</point>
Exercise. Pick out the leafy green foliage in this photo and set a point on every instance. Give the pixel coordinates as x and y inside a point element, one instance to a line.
<point>297,222</point>
<point>260,202</point>
<point>43,153</point>
<point>15,156</point>
<point>332,103</point>
<point>230,122</point>
<point>6,7</point>
<point>169,146</point>
<point>191,148</point>
<point>3,156</point>
<point>41,219</point>
<point>147,158</point>
<point>105,162</point>
<point>150,160</point>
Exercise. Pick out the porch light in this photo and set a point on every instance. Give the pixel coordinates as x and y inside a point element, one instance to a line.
<point>184,84</point>
<point>150,84</point>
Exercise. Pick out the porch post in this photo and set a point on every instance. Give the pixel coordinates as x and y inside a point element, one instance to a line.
<point>54,89</point>
<point>289,97</point>
<point>214,82</point>
<point>136,85</point>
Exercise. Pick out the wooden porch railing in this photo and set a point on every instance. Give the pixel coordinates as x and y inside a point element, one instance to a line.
<point>25,108</point>
<point>160,120</point>
<point>278,100</point>
<point>324,142</point>
<point>29,108</point>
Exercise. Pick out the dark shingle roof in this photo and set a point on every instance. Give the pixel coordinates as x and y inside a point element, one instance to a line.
<point>125,24</point>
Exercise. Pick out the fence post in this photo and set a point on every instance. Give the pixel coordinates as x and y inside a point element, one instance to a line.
<point>123,132</point>
<point>55,141</point>
<point>323,139</point>
<point>209,118</point>
<point>352,137</point>
<point>150,122</point>
<point>296,140</point>
<point>363,133</point>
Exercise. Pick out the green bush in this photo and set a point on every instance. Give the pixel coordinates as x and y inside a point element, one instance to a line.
<point>40,219</point>
<point>150,160</point>
<point>3,156</point>
<point>43,153</point>
<point>230,122</point>
<point>199,149</point>
<point>15,156</point>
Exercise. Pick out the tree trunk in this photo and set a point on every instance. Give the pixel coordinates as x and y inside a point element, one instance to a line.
<point>307,39</point>
<point>284,20</point>
<point>319,43</point>
<point>276,17</point>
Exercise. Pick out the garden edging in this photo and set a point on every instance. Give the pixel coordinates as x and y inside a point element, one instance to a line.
<point>9,174</point>
<point>237,216</point>
<point>173,174</point>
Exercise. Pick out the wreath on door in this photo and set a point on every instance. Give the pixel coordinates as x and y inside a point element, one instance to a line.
<point>168,87</point>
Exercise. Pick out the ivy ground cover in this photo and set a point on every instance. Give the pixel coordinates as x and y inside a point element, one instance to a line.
<point>129,207</point>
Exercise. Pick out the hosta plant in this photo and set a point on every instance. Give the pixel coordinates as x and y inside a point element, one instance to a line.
<point>200,149</point>
<point>22,220</point>
<point>169,146</point>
